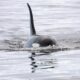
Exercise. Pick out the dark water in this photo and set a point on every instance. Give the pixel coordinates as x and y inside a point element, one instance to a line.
<point>57,18</point>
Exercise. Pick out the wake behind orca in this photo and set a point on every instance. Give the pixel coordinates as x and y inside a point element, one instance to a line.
<point>41,40</point>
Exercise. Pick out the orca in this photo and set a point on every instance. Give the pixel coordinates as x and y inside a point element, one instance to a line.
<point>40,40</point>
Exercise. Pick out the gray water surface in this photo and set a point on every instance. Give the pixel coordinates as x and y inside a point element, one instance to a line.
<point>59,19</point>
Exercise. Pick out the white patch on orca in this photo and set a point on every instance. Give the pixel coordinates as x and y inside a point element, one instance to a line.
<point>35,45</point>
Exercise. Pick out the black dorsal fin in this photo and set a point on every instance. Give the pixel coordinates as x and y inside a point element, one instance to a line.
<point>32,28</point>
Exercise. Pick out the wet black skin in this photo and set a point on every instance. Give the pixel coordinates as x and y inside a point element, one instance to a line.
<point>42,40</point>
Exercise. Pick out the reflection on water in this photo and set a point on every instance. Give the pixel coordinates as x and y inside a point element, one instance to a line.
<point>33,62</point>
<point>42,61</point>
<point>42,66</point>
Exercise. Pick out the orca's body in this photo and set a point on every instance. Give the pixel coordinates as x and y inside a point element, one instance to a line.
<point>43,41</point>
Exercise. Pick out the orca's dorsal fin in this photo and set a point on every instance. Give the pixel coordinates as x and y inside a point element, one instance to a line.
<point>32,28</point>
